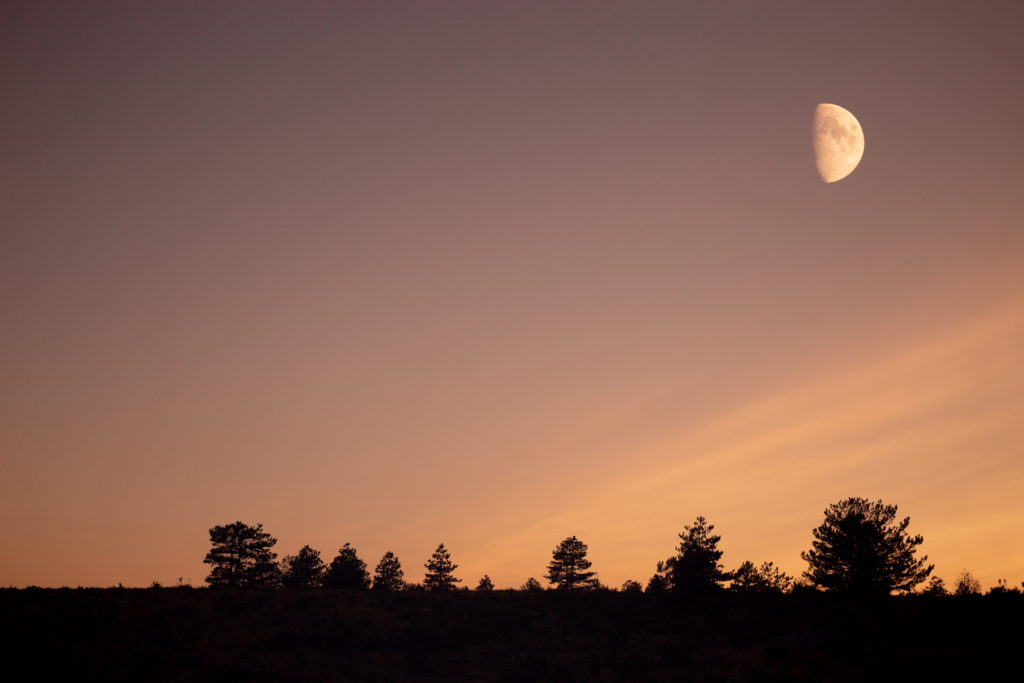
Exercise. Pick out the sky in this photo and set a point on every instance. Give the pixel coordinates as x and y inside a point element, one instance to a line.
<point>493,274</point>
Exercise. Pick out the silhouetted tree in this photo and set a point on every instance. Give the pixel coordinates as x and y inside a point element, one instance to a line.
<point>936,586</point>
<point>774,579</point>
<point>631,586</point>
<point>696,567</point>
<point>860,549</point>
<point>966,584</point>
<point>531,584</point>
<point>764,579</point>
<point>746,578</point>
<point>241,557</point>
<point>569,565</point>
<point>388,576</point>
<point>485,584</point>
<point>305,570</point>
<point>439,571</point>
<point>659,582</point>
<point>347,571</point>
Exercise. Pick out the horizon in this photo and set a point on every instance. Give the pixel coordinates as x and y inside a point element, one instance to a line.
<point>401,273</point>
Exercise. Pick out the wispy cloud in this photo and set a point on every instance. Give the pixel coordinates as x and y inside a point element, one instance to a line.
<point>933,426</point>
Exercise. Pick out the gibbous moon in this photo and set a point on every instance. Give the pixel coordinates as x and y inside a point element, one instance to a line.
<point>838,142</point>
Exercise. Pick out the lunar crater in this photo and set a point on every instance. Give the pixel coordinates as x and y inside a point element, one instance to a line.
<point>838,142</point>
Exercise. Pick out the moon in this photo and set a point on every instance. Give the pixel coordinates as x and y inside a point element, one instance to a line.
<point>838,142</point>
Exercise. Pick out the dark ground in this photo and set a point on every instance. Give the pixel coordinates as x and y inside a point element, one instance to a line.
<point>182,634</point>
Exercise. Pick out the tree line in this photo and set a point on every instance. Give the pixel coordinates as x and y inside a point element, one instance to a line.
<point>860,549</point>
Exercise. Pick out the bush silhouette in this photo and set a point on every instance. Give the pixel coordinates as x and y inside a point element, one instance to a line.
<point>1002,589</point>
<point>531,584</point>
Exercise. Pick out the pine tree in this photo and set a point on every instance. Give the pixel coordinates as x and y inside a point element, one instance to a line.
<point>936,587</point>
<point>696,568</point>
<point>305,570</point>
<point>569,565</point>
<point>347,571</point>
<point>388,576</point>
<point>764,579</point>
<point>658,583</point>
<point>861,549</point>
<point>485,584</point>
<point>966,584</point>
<point>241,557</point>
<point>531,584</point>
<point>439,571</point>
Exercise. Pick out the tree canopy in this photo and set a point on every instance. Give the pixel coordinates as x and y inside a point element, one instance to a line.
<point>531,584</point>
<point>936,587</point>
<point>658,583</point>
<point>966,584</point>
<point>241,557</point>
<point>861,549</point>
<point>347,571</point>
<point>767,578</point>
<point>388,576</point>
<point>696,567</point>
<point>569,565</point>
<point>305,570</point>
<point>439,575</point>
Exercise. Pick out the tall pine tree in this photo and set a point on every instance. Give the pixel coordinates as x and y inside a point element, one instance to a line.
<point>696,568</point>
<point>569,565</point>
<point>439,571</point>
<point>388,576</point>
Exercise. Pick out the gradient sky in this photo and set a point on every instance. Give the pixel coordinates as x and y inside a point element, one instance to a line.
<point>494,274</point>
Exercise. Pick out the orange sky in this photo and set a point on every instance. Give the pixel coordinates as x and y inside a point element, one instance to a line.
<point>402,273</point>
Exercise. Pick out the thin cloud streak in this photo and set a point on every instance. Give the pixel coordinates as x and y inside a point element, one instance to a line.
<point>908,427</point>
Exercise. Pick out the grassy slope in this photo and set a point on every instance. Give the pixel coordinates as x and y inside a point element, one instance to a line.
<point>187,635</point>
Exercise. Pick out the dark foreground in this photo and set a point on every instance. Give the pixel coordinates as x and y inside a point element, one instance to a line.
<point>180,634</point>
